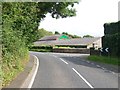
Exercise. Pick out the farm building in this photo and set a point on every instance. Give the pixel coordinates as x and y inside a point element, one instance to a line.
<point>54,37</point>
<point>65,41</point>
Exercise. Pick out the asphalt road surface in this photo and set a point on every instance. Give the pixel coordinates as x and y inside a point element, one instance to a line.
<point>62,70</point>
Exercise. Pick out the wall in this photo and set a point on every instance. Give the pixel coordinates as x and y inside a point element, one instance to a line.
<point>97,44</point>
<point>81,51</point>
<point>94,52</point>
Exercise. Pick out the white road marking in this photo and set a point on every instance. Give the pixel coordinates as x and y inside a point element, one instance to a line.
<point>98,65</point>
<point>88,61</point>
<point>103,68</point>
<point>35,72</point>
<point>54,56</point>
<point>63,61</point>
<point>118,75</point>
<point>112,72</point>
<point>83,78</point>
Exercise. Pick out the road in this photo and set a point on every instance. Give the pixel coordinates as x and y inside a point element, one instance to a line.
<point>62,70</point>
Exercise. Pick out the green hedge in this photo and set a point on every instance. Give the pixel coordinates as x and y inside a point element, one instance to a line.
<point>111,38</point>
<point>20,21</point>
<point>41,48</point>
<point>18,25</point>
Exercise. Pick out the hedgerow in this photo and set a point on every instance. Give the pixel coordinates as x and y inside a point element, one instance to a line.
<point>20,21</point>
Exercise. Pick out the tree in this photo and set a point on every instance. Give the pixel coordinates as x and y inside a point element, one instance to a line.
<point>42,32</point>
<point>65,33</point>
<point>87,36</point>
<point>56,32</point>
<point>75,36</point>
<point>57,9</point>
<point>20,21</point>
<point>72,36</point>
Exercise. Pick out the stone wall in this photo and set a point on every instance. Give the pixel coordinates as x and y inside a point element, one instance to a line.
<point>75,50</point>
<point>94,52</point>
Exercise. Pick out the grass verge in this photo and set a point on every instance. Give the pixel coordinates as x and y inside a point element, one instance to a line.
<point>104,59</point>
<point>11,73</point>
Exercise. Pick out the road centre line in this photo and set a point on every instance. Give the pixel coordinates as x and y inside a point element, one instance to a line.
<point>98,65</point>
<point>83,78</point>
<point>88,61</point>
<point>63,61</point>
<point>112,72</point>
<point>60,59</point>
<point>103,68</point>
<point>54,56</point>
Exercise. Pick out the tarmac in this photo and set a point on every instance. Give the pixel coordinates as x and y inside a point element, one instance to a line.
<point>26,78</point>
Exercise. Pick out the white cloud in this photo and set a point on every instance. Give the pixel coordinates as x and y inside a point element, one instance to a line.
<point>91,15</point>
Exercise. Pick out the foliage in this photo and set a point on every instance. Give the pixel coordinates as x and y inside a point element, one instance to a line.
<point>112,38</point>
<point>104,59</point>
<point>57,9</point>
<point>71,36</point>
<point>41,48</point>
<point>56,32</point>
<point>20,22</point>
<point>87,36</point>
<point>42,32</point>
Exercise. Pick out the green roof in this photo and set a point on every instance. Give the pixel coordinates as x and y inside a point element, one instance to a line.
<point>63,37</point>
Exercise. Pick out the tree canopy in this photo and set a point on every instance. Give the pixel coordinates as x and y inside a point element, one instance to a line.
<point>70,35</point>
<point>87,36</point>
<point>20,22</point>
<point>56,32</point>
<point>42,32</point>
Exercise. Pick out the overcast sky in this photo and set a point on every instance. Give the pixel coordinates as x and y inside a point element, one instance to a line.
<point>91,15</point>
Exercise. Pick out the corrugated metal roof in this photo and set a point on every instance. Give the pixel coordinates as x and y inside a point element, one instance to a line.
<point>53,37</point>
<point>78,41</point>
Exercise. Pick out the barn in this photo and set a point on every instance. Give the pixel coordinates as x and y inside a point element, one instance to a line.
<point>65,41</point>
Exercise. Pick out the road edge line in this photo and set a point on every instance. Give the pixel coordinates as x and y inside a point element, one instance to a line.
<point>31,77</point>
<point>35,72</point>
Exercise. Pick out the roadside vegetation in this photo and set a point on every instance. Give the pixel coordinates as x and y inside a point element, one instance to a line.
<point>20,21</point>
<point>41,48</point>
<point>105,59</point>
<point>111,38</point>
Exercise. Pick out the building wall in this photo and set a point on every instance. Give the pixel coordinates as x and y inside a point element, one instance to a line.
<point>97,44</point>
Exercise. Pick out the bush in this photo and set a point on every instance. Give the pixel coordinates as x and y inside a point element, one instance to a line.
<point>41,48</point>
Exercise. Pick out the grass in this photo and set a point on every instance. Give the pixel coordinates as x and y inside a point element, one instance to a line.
<point>104,59</point>
<point>11,73</point>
